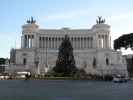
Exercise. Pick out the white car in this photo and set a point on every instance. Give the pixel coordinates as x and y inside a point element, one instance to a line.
<point>119,79</point>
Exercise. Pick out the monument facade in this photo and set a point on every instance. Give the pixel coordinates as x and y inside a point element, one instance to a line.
<point>92,49</point>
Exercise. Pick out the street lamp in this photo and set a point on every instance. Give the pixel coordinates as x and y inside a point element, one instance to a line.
<point>46,63</point>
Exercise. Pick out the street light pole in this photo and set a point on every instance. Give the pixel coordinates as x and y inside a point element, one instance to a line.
<point>46,65</point>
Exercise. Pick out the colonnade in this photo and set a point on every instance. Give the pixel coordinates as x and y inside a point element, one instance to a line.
<point>77,42</point>
<point>103,41</point>
<point>28,41</point>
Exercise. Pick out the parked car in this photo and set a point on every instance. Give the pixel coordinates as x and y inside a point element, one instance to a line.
<point>120,79</point>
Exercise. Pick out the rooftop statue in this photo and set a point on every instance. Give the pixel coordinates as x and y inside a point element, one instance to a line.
<point>100,20</point>
<point>31,21</point>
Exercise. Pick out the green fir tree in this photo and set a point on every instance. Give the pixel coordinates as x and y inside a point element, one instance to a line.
<point>65,64</point>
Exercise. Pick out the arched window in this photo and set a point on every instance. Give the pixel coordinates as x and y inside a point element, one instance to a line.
<point>24,61</point>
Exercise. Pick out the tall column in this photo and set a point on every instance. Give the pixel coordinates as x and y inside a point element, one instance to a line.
<point>88,39</point>
<point>74,43</point>
<point>81,42</point>
<point>59,41</point>
<point>51,42</point>
<point>40,42</point>
<point>78,42</point>
<point>108,42</point>
<point>43,42</point>
<point>55,42</point>
<point>85,42</point>
<point>104,42</point>
<point>22,42</point>
<point>99,41</point>
<point>31,41</point>
<point>91,42</point>
<point>48,42</point>
<point>107,39</point>
<point>27,41</point>
<point>27,44</point>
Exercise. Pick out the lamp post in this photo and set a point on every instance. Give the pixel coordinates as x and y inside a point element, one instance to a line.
<point>46,65</point>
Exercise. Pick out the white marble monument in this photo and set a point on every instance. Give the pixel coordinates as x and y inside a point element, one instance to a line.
<point>92,49</point>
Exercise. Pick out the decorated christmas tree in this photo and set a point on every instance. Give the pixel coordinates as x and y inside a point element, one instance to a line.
<point>65,64</point>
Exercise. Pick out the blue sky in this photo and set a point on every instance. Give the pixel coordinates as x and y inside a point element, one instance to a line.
<point>61,13</point>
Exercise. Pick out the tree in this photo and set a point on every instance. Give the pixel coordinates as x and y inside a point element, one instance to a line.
<point>2,61</point>
<point>125,41</point>
<point>65,64</point>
